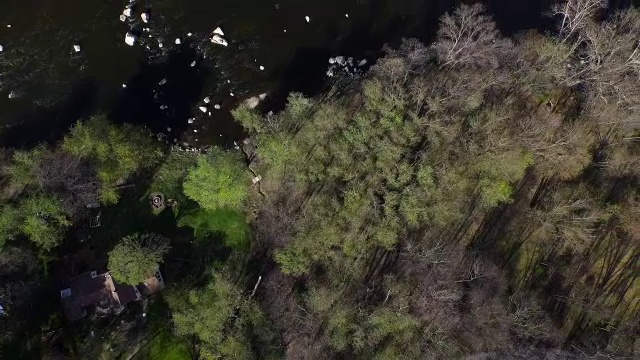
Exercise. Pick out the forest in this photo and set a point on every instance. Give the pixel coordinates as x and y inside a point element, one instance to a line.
<point>473,198</point>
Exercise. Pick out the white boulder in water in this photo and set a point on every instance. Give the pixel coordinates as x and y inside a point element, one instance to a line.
<point>218,31</point>
<point>261,67</point>
<point>217,39</point>
<point>253,102</point>
<point>217,106</point>
<point>190,121</point>
<point>207,100</point>
<point>362,62</point>
<point>178,41</point>
<point>162,82</point>
<point>307,18</point>
<point>203,109</point>
<point>145,17</point>
<point>130,39</point>
<point>127,12</point>
<point>193,64</point>
<point>1,48</point>
<point>123,18</point>
<point>77,48</point>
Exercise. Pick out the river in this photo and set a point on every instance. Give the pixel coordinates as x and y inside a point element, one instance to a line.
<point>45,85</point>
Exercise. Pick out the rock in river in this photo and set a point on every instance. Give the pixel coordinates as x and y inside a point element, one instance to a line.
<point>218,31</point>
<point>217,39</point>
<point>130,39</point>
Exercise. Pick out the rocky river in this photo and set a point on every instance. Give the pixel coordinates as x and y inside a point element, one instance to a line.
<point>153,62</point>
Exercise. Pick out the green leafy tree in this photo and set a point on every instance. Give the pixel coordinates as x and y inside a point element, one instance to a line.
<point>218,181</point>
<point>137,257</point>
<point>9,223</point>
<point>41,218</point>
<point>249,118</point>
<point>172,172</point>
<point>23,168</point>
<point>116,151</point>
<point>223,320</point>
<point>44,220</point>
<point>497,173</point>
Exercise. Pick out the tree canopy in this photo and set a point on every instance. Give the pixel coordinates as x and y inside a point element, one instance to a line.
<point>449,174</point>
<point>40,218</point>
<point>137,257</point>
<point>218,181</point>
<point>221,317</point>
<point>476,195</point>
<point>116,151</point>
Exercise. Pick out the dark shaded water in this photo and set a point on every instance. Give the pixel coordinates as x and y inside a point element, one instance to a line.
<point>53,86</point>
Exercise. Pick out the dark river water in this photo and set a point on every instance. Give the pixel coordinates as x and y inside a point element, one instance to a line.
<point>45,85</point>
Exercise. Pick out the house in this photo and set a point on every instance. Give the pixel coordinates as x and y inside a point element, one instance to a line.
<point>100,293</point>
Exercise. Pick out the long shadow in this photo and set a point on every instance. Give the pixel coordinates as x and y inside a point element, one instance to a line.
<point>50,124</point>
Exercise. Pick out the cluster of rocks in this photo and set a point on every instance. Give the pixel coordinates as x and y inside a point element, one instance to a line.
<point>346,65</point>
<point>139,33</point>
<point>218,37</point>
<point>136,29</point>
<point>130,37</point>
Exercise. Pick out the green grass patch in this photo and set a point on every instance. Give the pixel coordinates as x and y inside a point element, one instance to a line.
<point>165,346</point>
<point>231,223</point>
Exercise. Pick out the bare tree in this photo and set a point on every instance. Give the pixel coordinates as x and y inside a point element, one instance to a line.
<point>74,180</point>
<point>612,59</point>
<point>415,53</point>
<point>576,14</point>
<point>469,37</point>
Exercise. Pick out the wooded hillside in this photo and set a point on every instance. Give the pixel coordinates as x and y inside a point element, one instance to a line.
<point>475,195</point>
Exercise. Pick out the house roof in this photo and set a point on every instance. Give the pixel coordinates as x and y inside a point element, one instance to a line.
<point>152,285</point>
<point>93,289</point>
<point>127,293</point>
<point>88,289</point>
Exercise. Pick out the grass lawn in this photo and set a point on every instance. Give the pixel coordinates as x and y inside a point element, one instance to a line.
<point>164,346</point>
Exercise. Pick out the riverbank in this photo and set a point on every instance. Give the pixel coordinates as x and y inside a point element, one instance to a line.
<point>65,85</point>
